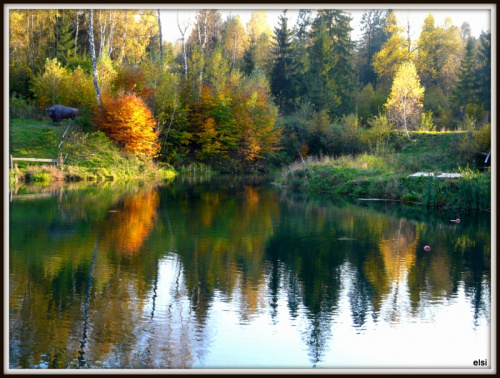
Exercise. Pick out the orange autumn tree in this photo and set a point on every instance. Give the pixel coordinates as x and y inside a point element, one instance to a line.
<point>127,121</point>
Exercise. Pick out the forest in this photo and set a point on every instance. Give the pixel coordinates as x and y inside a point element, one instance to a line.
<point>241,97</point>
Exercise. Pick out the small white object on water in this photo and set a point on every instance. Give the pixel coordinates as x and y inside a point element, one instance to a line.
<point>112,211</point>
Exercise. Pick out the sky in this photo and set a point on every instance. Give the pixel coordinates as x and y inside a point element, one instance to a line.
<point>479,19</point>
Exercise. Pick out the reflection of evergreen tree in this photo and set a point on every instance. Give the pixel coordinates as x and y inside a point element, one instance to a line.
<point>314,267</point>
<point>303,257</point>
<point>294,292</point>
<point>274,286</point>
<point>317,334</point>
<point>360,297</point>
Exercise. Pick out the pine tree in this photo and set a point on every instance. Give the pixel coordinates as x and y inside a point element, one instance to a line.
<point>282,72</point>
<point>322,90</point>
<point>332,79</point>
<point>300,56</point>
<point>248,60</point>
<point>483,71</point>
<point>63,36</point>
<point>345,75</point>
<point>374,36</point>
<point>465,91</point>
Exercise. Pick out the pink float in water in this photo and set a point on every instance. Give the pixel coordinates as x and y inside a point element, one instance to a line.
<point>456,220</point>
<point>427,248</point>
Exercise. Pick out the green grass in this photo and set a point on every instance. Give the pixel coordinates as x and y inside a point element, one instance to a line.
<point>35,139</point>
<point>386,177</point>
<point>88,156</point>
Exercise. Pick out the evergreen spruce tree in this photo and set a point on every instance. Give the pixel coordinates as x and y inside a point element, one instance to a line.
<point>248,60</point>
<point>322,90</point>
<point>483,71</point>
<point>282,71</point>
<point>63,36</point>
<point>344,73</point>
<point>374,36</point>
<point>465,91</point>
<point>332,75</point>
<point>300,57</point>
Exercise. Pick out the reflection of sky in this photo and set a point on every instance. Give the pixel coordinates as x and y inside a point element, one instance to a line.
<point>441,335</point>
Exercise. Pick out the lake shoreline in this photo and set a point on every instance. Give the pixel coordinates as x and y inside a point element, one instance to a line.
<point>471,191</point>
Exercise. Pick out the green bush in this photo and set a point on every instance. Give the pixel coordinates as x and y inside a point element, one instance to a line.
<point>483,138</point>
<point>21,108</point>
<point>377,137</point>
<point>426,121</point>
<point>467,146</point>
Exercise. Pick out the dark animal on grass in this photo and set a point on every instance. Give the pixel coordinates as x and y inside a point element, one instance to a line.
<point>59,112</point>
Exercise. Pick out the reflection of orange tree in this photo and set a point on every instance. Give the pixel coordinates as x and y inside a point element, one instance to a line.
<point>128,228</point>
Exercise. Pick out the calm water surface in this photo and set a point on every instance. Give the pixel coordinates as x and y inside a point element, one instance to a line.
<point>235,273</point>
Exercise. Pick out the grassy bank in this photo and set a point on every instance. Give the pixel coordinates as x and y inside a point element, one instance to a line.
<point>87,156</point>
<point>387,176</point>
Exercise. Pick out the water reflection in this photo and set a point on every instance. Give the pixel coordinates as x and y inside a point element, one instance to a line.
<point>232,273</point>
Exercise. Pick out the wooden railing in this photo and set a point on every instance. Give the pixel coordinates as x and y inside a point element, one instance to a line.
<point>59,161</point>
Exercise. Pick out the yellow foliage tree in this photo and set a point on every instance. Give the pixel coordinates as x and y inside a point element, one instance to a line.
<point>393,52</point>
<point>404,105</point>
<point>48,87</point>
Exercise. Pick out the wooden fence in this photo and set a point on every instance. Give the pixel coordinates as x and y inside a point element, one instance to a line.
<point>59,161</point>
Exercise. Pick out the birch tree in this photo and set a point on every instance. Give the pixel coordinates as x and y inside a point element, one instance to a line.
<point>404,105</point>
<point>92,57</point>
<point>183,42</point>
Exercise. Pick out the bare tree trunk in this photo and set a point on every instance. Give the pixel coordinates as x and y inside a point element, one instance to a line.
<point>54,84</point>
<point>77,27</point>
<point>29,32</point>
<point>203,42</point>
<point>102,27</point>
<point>124,37</point>
<point>183,32</point>
<point>171,119</point>
<point>92,57</point>
<point>235,51</point>
<point>405,119</point>
<point>112,17</point>
<point>32,39</point>
<point>161,41</point>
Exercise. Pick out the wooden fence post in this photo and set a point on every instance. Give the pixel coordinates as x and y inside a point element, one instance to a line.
<point>60,160</point>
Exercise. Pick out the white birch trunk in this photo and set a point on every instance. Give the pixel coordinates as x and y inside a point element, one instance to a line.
<point>92,57</point>
<point>184,55</point>
<point>124,37</point>
<point>77,29</point>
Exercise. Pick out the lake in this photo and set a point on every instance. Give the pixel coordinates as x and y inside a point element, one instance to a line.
<point>233,272</point>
